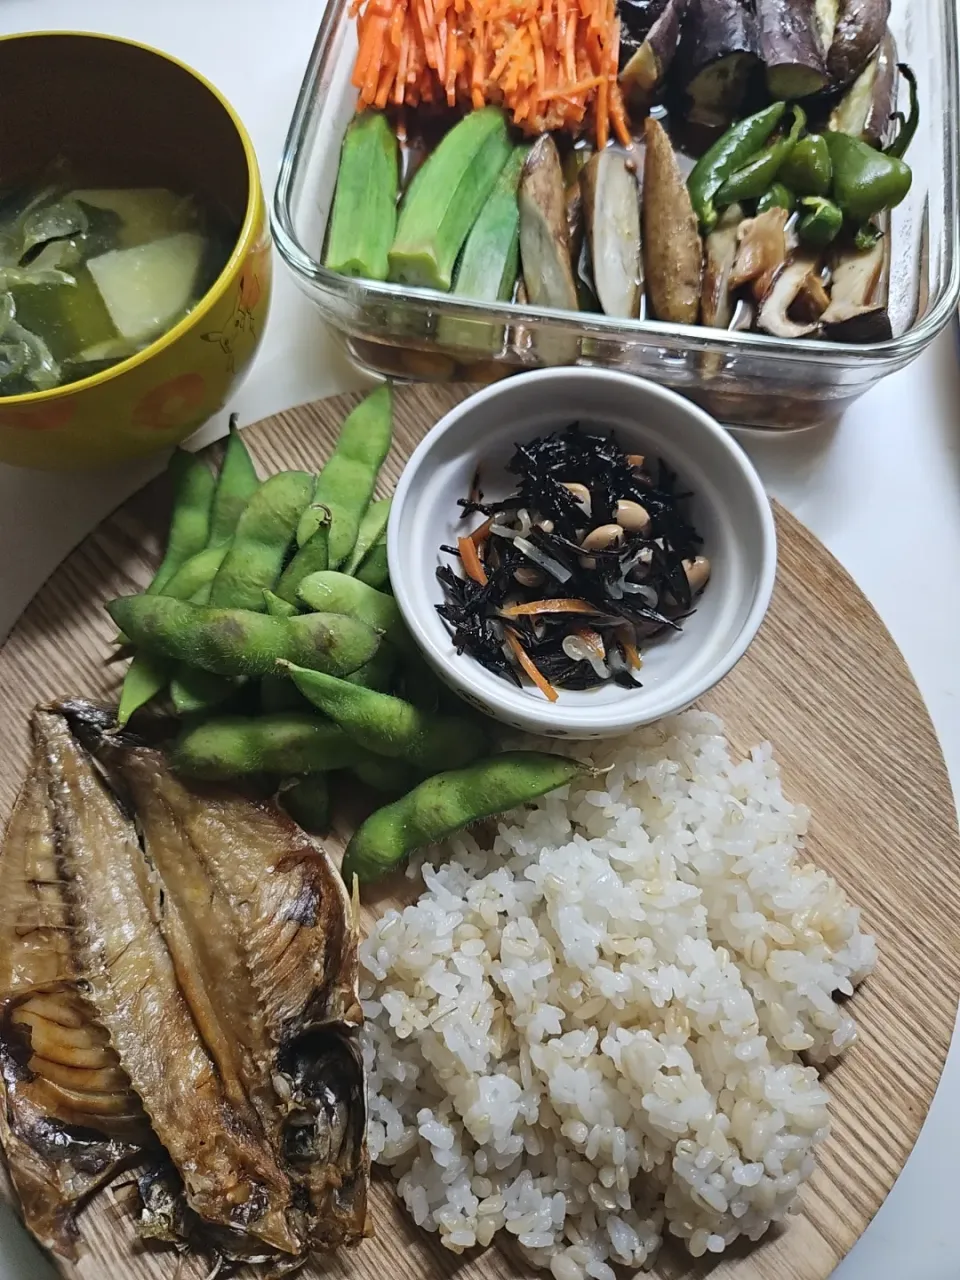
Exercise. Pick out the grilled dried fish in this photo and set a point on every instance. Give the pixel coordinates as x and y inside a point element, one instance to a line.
<point>70,1119</point>
<point>290,961</point>
<point>231,1178</point>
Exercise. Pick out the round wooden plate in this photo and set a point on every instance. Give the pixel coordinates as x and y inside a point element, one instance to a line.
<point>824,682</point>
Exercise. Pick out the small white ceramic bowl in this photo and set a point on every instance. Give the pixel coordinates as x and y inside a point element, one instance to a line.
<point>729,509</point>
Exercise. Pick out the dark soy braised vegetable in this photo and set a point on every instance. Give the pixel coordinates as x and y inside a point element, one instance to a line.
<point>449,802</point>
<point>345,485</point>
<point>389,726</point>
<point>236,642</point>
<point>285,744</point>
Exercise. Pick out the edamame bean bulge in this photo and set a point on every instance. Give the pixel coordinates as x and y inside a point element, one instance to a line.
<point>307,801</point>
<point>312,557</point>
<point>333,592</point>
<point>287,744</point>
<point>193,489</point>
<point>389,726</point>
<point>263,535</point>
<point>374,570</point>
<point>235,642</point>
<point>448,802</point>
<point>372,529</point>
<point>236,485</point>
<point>345,485</point>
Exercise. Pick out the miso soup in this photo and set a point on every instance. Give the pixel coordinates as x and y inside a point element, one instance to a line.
<point>89,276</point>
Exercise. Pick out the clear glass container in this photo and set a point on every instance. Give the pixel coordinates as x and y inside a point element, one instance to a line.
<point>745,378</point>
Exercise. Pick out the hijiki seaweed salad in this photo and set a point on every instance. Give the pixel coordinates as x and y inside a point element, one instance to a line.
<point>567,577</point>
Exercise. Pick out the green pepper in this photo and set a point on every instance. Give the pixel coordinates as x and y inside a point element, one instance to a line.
<point>898,148</point>
<point>728,153</point>
<point>757,175</point>
<point>778,197</point>
<point>865,181</point>
<point>808,169</point>
<point>866,237</point>
<point>822,224</point>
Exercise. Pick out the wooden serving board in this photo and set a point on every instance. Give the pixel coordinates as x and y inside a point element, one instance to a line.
<point>824,682</point>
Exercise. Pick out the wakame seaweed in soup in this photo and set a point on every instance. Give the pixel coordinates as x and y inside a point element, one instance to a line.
<point>90,276</point>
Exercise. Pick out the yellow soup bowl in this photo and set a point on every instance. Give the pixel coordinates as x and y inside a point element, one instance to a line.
<point>124,115</point>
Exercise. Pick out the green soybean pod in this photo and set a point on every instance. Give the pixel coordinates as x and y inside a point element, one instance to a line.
<point>264,532</point>
<point>374,569</point>
<point>333,592</point>
<point>447,803</point>
<point>193,690</point>
<point>372,529</point>
<point>278,608</point>
<point>193,488</point>
<point>307,801</point>
<point>345,485</point>
<point>146,677</point>
<point>196,573</point>
<point>312,557</point>
<point>236,485</point>
<point>236,642</point>
<point>392,777</point>
<point>389,726</point>
<point>286,744</point>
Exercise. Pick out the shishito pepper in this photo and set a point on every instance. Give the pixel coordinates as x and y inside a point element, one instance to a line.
<point>778,197</point>
<point>822,223</point>
<point>727,154</point>
<point>757,175</point>
<point>865,181</point>
<point>808,170</point>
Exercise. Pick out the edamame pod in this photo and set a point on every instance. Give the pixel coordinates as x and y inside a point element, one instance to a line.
<point>345,485</point>
<point>372,529</point>
<point>285,744</point>
<point>374,570</point>
<point>312,557</point>
<point>193,488</point>
<point>389,726</point>
<point>391,777</point>
<point>333,592</point>
<point>448,802</point>
<point>263,535</point>
<point>278,608</point>
<point>146,677</point>
<point>236,642</point>
<point>193,691</point>
<point>196,573</point>
<point>235,487</point>
<point>307,800</point>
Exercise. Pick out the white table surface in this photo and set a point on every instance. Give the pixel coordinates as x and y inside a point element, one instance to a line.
<point>882,491</point>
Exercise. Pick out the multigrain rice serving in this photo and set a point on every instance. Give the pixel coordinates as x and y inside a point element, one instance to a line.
<point>587,1031</point>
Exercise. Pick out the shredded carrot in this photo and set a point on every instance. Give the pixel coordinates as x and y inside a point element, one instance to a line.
<point>630,650</point>
<point>481,533</point>
<point>472,564</point>
<point>534,607</point>
<point>548,63</point>
<point>529,666</point>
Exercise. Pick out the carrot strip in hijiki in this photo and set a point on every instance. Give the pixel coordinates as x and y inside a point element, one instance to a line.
<point>551,64</point>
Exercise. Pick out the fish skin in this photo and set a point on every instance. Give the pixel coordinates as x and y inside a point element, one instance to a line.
<point>69,1119</point>
<point>231,1182</point>
<point>252,867</point>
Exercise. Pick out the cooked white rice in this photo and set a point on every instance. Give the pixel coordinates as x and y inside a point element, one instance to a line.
<point>588,1031</point>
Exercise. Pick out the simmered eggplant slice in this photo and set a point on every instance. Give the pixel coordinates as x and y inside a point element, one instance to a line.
<point>866,110</point>
<point>719,49</point>
<point>861,25</point>
<point>790,48</point>
<point>650,59</point>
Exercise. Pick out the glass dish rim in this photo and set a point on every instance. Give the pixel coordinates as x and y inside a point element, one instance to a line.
<point>356,291</point>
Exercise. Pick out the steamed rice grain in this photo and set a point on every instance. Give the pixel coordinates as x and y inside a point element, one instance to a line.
<point>586,1031</point>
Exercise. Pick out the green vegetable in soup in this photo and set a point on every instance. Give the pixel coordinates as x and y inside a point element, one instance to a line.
<point>148,288</point>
